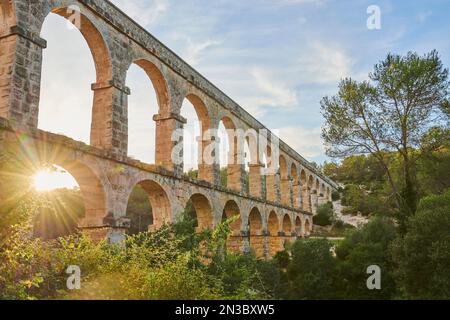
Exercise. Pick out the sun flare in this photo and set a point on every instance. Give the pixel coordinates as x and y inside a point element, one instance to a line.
<point>54,178</point>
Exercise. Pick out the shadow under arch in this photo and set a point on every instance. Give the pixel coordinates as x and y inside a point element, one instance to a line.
<point>307,227</point>
<point>159,201</point>
<point>298,226</point>
<point>287,225</point>
<point>275,241</point>
<point>201,210</point>
<point>234,241</point>
<point>255,228</point>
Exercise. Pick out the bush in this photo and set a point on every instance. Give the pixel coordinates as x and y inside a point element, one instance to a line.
<point>311,270</point>
<point>360,249</point>
<point>422,256</point>
<point>335,195</point>
<point>324,216</point>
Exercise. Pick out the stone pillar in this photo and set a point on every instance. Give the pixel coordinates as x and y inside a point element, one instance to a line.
<point>256,242</point>
<point>296,196</point>
<point>109,128</point>
<point>285,184</point>
<point>255,181</point>
<point>272,187</point>
<point>111,229</point>
<point>306,199</point>
<point>235,173</point>
<point>321,199</point>
<point>314,201</point>
<point>20,76</point>
<point>208,167</point>
<point>165,128</point>
<point>236,166</point>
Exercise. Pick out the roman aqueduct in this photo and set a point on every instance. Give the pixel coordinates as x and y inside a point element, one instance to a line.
<point>273,210</point>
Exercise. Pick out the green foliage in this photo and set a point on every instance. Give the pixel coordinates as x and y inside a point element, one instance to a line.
<point>360,249</point>
<point>422,255</point>
<point>311,270</point>
<point>223,176</point>
<point>390,113</point>
<point>335,195</point>
<point>324,216</point>
<point>362,201</point>
<point>433,169</point>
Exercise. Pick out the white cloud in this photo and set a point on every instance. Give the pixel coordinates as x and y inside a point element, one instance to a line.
<point>145,12</point>
<point>324,63</point>
<point>423,16</point>
<point>307,142</point>
<point>272,92</point>
<point>194,51</point>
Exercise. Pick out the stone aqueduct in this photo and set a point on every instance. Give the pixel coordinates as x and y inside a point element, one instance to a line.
<point>270,213</point>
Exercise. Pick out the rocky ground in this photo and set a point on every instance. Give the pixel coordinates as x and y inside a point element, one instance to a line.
<point>353,220</point>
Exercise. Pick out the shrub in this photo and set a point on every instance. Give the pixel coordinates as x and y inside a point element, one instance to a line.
<point>422,256</point>
<point>311,270</point>
<point>335,195</point>
<point>362,248</point>
<point>324,216</point>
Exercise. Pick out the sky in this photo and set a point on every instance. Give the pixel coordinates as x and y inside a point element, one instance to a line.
<point>276,58</point>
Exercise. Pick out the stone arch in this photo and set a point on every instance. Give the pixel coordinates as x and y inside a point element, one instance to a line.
<point>201,110</point>
<point>287,225</point>
<point>305,191</point>
<point>273,225</point>
<point>311,182</point>
<point>165,122</point>
<point>158,82</point>
<point>202,211</point>
<point>298,226</point>
<point>102,89</point>
<point>91,186</point>
<point>307,228</point>
<point>205,167</point>
<point>255,164</point>
<point>159,201</point>
<point>230,210</point>
<point>255,226</point>
<point>295,186</point>
<point>94,39</point>
<point>234,155</point>
<point>285,182</point>
<point>234,241</point>
<point>275,242</point>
